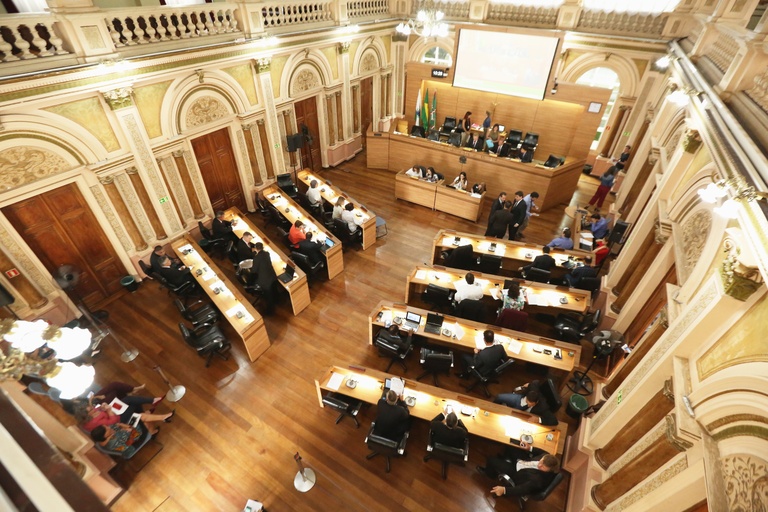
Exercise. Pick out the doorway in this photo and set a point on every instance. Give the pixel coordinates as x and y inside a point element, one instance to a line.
<point>218,166</point>
<point>366,105</point>
<point>306,120</point>
<point>61,229</point>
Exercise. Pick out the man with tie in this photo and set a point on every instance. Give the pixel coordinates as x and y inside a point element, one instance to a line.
<point>497,205</point>
<point>526,156</point>
<point>475,142</point>
<point>531,470</point>
<point>519,208</point>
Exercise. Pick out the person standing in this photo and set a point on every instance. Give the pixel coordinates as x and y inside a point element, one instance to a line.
<point>465,124</point>
<point>606,183</point>
<point>518,214</point>
<point>499,221</point>
<point>266,277</point>
<point>497,205</point>
<point>530,207</point>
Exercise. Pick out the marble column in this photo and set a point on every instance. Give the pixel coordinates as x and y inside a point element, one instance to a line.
<point>617,122</point>
<point>639,181</point>
<point>330,107</point>
<point>252,154</point>
<point>273,141</point>
<point>400,53</point>
<point>641,423</point>
<point>265,151</point>
<point>146,203</point>
<point>356,108</point>
<point>641,466</point>
<point>21,283</point>
<point>340,128</point>
<point>388,99</point>
<point>165,164</point>
<point>347,94</point>
<point>108,182</point>
<point>186,181</point>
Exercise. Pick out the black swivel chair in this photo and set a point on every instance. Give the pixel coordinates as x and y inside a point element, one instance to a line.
<point>446,454</point>
<point>248,280</point>
<point>277,219</point>
<point>263,206</point>
<point>207,340</point>
<point>212,244</point>
<point>184,291</point>
<point>341,230</point>
<point>302,261</point>
<point>287,185</point>
<point>434,362</point>
<point>550,394</point>
<point>489,264</point>
<point>383,446</point>
<point>572,328</point>
<point>471,309</point>
<point>531,141</point>
<point>461,257</point>
<point>147,270</point>
<point>514,137</point>
<point>536,274</point>
<point>417,131</point>
<point>198,313</point>
<point>395,353</point>
<point>485,378</point>
<point>433,135</point>
<point>438,297</point>
<point>455,139</point>
<point>345,405</point>
<point>539,496</point>
<point>590,284</point>
<point>448,126</point>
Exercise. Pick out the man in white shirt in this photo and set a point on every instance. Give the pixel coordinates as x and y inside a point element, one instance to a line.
<point>313,194</point>
<point>353,221</point>
<point>468,289</point>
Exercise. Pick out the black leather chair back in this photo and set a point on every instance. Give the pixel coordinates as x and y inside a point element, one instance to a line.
<point>514,137</point>
<point>436,361</point>
<point>287,185</point>
<point>461,257</point>
<point>449,453</point>
<point>146,269</point>
<point>591,284</point>
<point>455,139</point>
<point>548,391</point>
<point>541,496</point>
<point>433,135</point>
<point>417,131</point>
<point>471,309</point>
<point>438,296</point>
<point>204,231</point>
<point>448,125</point>
<point>489,264</point>
<point>538,275</point>
<point>531,140</point>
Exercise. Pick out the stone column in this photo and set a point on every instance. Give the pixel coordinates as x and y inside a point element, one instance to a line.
<point>283,128</point>
<point>265,151</point>
<point>383,97</point>
<point>152,190</point>
<point>640,264</point>
<point>252,154</point>
<point>356,108</point>
<point>330,107</point>
<point>340,128</point>
<point>388,100</point>
<point>273,141</point>
<point>146,203</point>
<point>108,182</point>
<point>639,351</point>
<point>400,53</point>
<point>617,123</point>
<point>638,182</point>
<point>177,192</point>
<point>21,284</point>
<point>641,466</point>
<point>347,103</point>
<point>186,181</point>
<point>641,423</point>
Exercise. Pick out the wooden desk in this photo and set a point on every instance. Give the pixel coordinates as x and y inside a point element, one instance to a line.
<point>414,190</point>
<point>229,301</point>
<point>459,203</point>
<point>492,421</point>
<point>334,260</point>
<point>331,194</point>
<point>513,254</point>
<point>298,289</point>
<point>518,345</point>
<point>578,300</point>
<point>555,186</point>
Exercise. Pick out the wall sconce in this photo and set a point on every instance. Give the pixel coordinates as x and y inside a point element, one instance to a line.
<point>554,87</point>
<point>740,192</point>
<point>662,63</point>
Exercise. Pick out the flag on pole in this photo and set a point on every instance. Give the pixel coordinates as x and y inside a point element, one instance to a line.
<point>425,111</point>
<point>418,109</point>
<point>433,112</point>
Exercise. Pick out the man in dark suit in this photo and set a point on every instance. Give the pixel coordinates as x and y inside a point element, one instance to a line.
<point>461,257</point>
<point>485,360</point>
<point>499,221</point>
<point>529,399</point>
<point>176,276</point>
<point>525,155</point>
<point>519,210</point>
<point>393,335</point>
<point>582,272</point>
<point>448,430</point>
<point>497,205</point>
<point>243,247</point>
<point>311,249</point>
<point>392,417</point>
<point>542,261</point>
<point>266,277</point>
<point>530,469</point>
<point>221,228</point>
<point>158,253</point>
<point>476,142</point>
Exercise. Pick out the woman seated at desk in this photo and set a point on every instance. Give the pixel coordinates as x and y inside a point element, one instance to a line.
<point>514,298</point>
<point>416,171</point>
<point>460,182</point>
<point>493,136</point>
<point>338,208</point>
<point>431,176</point>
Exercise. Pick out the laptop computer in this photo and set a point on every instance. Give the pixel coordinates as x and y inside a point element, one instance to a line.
<point>434,323</point>
<point>412,320</point>
<point>326,245</point>
<point>286,276</point>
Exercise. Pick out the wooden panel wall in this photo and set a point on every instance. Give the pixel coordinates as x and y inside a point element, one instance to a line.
<point>564,125</point>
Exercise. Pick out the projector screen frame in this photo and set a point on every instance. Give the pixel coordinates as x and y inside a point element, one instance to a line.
<point>551,77</point>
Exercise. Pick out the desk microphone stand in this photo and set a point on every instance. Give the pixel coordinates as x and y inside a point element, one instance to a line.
<point>175,393</point>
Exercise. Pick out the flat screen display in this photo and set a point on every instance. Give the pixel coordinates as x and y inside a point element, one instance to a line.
<point>504,63</point>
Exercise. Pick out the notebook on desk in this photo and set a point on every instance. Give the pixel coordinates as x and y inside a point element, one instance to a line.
<point>286,276</point>
<point>434,323</point>
<point>412,321</point>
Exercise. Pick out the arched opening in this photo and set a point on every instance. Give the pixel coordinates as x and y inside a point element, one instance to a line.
<point>608,79</point>
<point>437,56</point>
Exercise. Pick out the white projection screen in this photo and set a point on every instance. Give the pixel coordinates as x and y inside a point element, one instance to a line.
<point>505,63</point>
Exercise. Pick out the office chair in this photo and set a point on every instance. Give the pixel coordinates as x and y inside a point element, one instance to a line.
<point>232,254</point>
<point>461,257</point>
<point>572,328</point>
<point>433,135</point>
<point>248,280</point>
<point>207,340</point>
<point>590,284</point>
<point>302,261</point>
<point>263,207</point>
<point>395,353</point>
<point>277,219</point>
<point>471,309</point>
<point>447,128</point>
<point>446,454</point>
<point>540,496</point>
<point>536,274</point>
<point>434,362</point>
<point>550,394</point>
<point>531,141</point>
<point>383,446</point>
<point>489,264</point>
<point>328,220</point>
<point>315,210</point>
<point>184,291</point>
<point>283,234</point>
<point>287,185</point>
<point>213,244</point>
<point>511,319</point>
<point>455,139</point>
<point>417,131</point>
<point>514,137</point>
<point>146,269</point>
<point>485,378</point>
<point>341,230</point>
<point>199,313</point>
<point>345,405</point>
<point>438,297</point>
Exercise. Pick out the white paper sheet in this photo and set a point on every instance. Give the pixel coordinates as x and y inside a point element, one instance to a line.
<point>421,274</point>
<point>514,346</point>
<point>335,381</point>
<point>398,386</point>
<point>458,331</point>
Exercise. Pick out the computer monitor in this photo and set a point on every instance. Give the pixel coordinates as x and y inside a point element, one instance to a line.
<point>501,127</point>
<point>553,161</point>
<point>412,317</point>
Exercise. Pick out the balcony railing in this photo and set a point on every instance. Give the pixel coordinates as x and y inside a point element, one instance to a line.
<point>29,36</point>
<point>277,15</point>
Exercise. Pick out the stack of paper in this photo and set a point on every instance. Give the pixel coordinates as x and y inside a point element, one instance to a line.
<point>421,274</point>
<point>335,381</point>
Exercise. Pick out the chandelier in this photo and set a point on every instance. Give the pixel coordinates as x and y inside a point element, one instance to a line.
<point>29,347</point>
<point>428,23</point>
